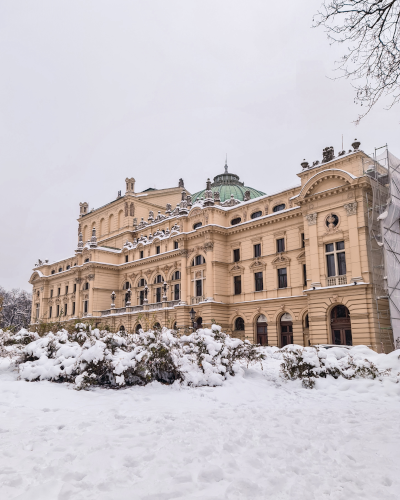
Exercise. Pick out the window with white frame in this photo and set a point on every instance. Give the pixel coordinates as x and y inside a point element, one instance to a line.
<point>335,259</point>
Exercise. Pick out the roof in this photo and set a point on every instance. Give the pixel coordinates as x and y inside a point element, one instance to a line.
<point>228,184</point>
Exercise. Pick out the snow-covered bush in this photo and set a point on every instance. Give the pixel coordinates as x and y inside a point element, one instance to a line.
<point>92,357</point>
<point>309,363</point>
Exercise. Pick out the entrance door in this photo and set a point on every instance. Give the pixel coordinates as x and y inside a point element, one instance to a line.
<point>286,333</point>
<point>341,326</point>
<point>262,333</point>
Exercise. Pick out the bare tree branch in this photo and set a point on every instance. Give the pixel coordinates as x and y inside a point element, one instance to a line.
<point>370,29</point>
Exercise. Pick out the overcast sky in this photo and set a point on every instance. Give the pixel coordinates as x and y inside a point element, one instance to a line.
<point>94,91</point>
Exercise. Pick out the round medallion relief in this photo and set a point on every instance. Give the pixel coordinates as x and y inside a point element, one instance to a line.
<point>331,221</point>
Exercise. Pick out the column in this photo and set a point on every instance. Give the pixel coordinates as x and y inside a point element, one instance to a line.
<point>209,288</point>
<point>313,249</point>
<point>351,210</point>
<point>184,289</point>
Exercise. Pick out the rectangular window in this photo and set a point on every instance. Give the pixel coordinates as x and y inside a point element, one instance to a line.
<point>126,258</point>
<point>58,310</point>
<point>66,290</point>
<point>236,255</point>
<point>85,306</point>
<point>141,254</point>
<point>51,293</point>
<point>335,259</point>
<point>257,250</point>
<point>50,311</point>
<point>237,281</point>
<point>258,281</point>
<point>59,293</point>
<point>199,288</point>
<point>65,309</point>
<point>141,297</point>
<point>74,287</point>
<point>280,245</point>
<point>158,249</point>
<point>282,278</point>
<point>303,243</point>
<point>176,245</point>
<point>304,275</point>
<point>158,294</point>
<point>176,292</point>
<point>73,308</point>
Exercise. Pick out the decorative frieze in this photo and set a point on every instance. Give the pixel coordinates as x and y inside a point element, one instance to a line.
<point>351,208</point>
<point>312,219</point>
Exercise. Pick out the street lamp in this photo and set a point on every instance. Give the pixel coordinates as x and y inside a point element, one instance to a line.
<point>192,316</point>
<point>113,300</point>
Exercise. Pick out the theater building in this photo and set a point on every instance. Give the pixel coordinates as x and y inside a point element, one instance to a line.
<point>281,268</point>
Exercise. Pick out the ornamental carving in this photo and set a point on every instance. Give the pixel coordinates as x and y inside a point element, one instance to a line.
<point>312,219</point>
<point>280,261</point>
<point>208,245</point>
<point>132,209</point>
<point>331,222</point>
<point>90,277</point>
<point>351,208</point>
<point>78,280</point>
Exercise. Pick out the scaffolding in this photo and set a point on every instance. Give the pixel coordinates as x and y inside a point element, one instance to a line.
<point>383,214</point>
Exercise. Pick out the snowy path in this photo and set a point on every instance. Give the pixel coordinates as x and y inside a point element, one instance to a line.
<point>250,439</point>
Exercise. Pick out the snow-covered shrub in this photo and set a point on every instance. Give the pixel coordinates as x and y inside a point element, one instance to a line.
<point>309,363</point>
<point>92,357</point>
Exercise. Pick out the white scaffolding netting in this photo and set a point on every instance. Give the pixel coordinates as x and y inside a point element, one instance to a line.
<point>390,231</point>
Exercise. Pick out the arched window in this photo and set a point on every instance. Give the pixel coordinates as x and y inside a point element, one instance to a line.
<point>138,327</point>
<point>87,260</point>
<point>110,224</point>
<point>158,279</point>
<point>278,208</point>
<point>68,267</point>
<point>52,271</point>
<point>177,275</point>
<point>142,282</point>
<point>197,225</point>
<point>306,322</point>
<point>239,324</point>
<point>127,285</point>
<point>256,214</point>
<point>101,227</point>
<point>238,220</point>
<point>60,269</point>
<point>198,260</point>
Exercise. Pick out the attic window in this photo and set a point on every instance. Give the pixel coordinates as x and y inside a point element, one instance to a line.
<point>197,225</point>
<point>68,267</point>
<point>238,220</point>
<point>60,269</point>
<point>52,272</point>
<point>256,214</point>
<point>87,260</point>
<point>278,208</point>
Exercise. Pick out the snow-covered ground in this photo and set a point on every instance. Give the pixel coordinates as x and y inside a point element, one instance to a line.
<point>256,437</point>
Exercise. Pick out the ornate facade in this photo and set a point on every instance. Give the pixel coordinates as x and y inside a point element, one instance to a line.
<point>288,267</point>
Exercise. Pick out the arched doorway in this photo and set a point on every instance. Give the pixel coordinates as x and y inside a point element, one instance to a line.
<point>122,328</point>
<point>199,322</point>
<point>262,334</point>
<point>286,329</point>
<point>138,327</point>
<point>341,326</point>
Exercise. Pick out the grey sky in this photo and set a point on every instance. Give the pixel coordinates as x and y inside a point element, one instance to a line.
<point>94,91</point>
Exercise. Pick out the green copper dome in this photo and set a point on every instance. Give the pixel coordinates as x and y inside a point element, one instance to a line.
<point>227,184</point>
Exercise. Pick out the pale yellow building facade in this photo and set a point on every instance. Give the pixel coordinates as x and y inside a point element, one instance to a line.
<point>289,267</point>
